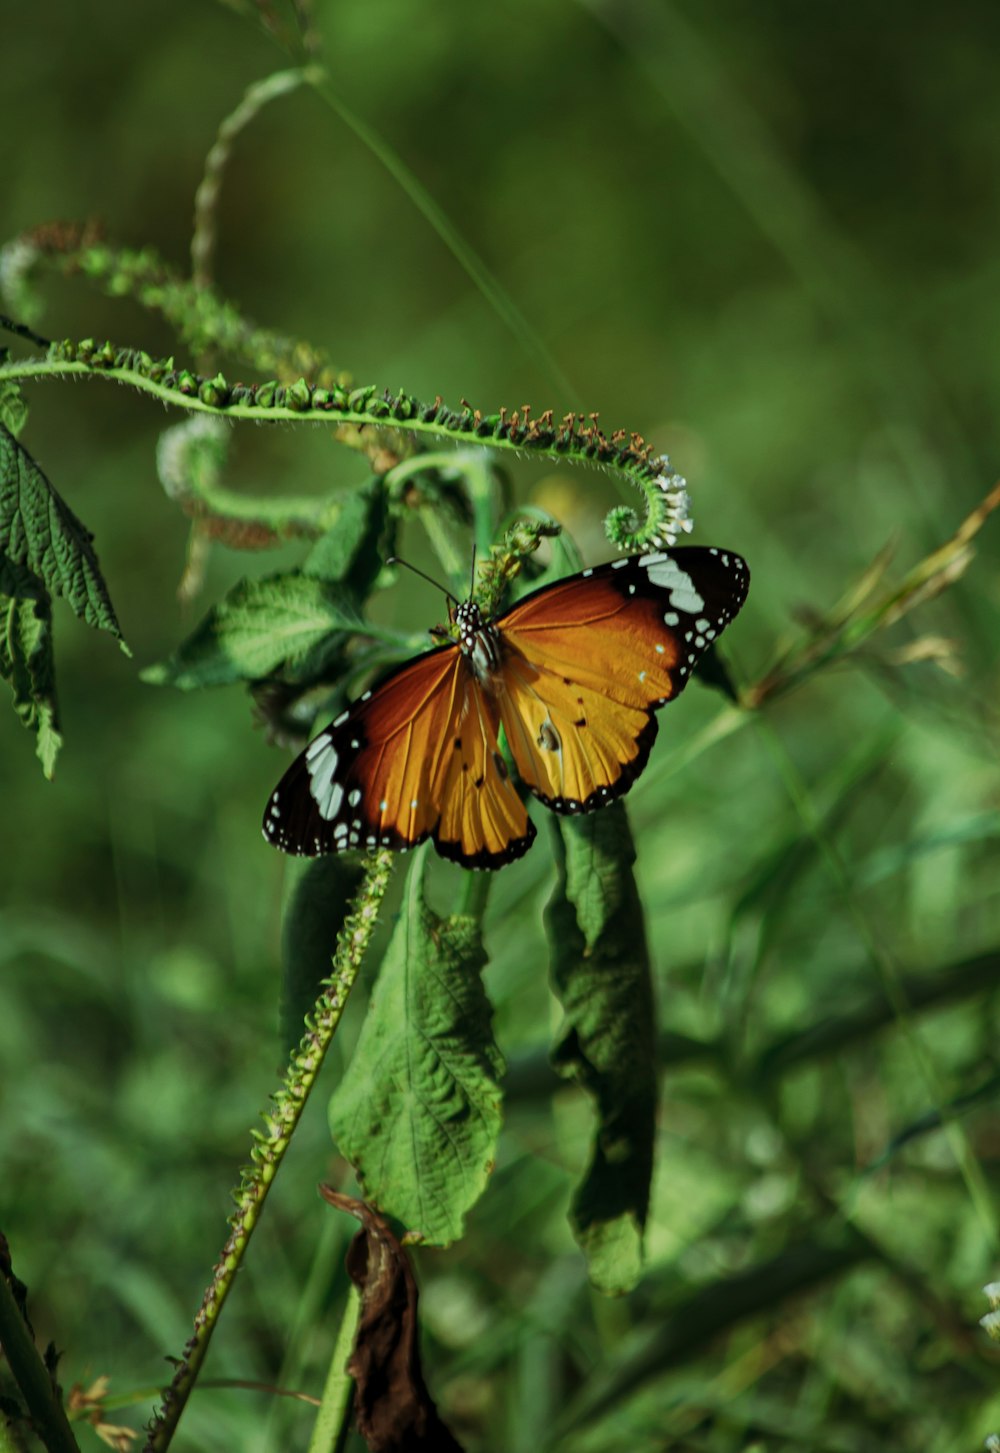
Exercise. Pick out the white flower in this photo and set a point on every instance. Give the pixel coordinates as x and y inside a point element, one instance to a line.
<point>676,514</point>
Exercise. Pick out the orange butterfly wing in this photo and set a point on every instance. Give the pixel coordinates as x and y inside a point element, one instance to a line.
<point>416,757</point>
<point>588,660</point>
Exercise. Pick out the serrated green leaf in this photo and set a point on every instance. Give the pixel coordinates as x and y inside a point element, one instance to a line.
<point>353,550</point>
<point>319,901</point>
<point>40,531</point>
<point>26,659</point>
<point>13,409</point>
<point>419,1110</point>
<point>601,972</point>
<point>289,623</point>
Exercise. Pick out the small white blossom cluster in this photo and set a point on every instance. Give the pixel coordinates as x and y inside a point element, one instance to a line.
<point>991,1322</point>
<point>185,450</point>
<point>677,507</point>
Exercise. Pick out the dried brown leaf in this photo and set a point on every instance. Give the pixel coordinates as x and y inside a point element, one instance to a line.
<point>392,1407</point>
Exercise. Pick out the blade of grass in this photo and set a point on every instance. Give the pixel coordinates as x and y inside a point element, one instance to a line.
<point>889,977</point>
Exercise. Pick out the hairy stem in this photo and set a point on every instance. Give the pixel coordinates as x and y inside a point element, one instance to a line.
<point>574,437</point>
<point>270,1145</point>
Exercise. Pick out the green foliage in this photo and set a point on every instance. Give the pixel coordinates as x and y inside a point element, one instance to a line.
<point>13,408</point>
<point>290,625</point>
<point>26,657</point>
<point>601,973</point>
<point>418,1110</point>
<point>44,551</point>
<point>817,349</point>
<point>354,547</point>
<point>39,530</point>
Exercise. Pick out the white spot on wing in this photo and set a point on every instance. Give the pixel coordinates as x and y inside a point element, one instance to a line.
<point>321,743</point>
<point>665,572</point>
<point>321,766</point>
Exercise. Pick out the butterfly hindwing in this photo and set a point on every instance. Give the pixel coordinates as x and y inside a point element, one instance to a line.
<point>414,758</point>
<point>587,661</point>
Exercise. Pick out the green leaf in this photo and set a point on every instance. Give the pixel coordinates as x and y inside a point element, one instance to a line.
<point>26,659</point>
<point>419,1110</point>
<point>291,623</point>
<point>40,531</point>
<point>13,409</point>
<point>322,894</point>
<point>353,550</point>
<point>601,972</point>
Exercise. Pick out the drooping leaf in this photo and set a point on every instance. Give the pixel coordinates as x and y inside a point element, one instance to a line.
<point>418,1111</point>
<point>320,898</point>
<point>601,972</point>
<point>13,409</point>
<point>392,1407</point>
<point>289,623</point>
<point>40,531</point>
<point>26,659</point>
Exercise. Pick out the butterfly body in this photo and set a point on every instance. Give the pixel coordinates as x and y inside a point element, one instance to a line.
<point>573,674</point>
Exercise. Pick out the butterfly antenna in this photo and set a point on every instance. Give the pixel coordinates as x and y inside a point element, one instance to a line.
<point>472,579</point>
<point>395,560</point>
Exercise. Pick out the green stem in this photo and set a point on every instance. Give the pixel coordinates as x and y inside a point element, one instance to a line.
<point>269,1148</point>
<point>475,895</point>
<point>335,1409</point>
<point>569,438</point>
<point>574,437</point>
<point>32,1376</point>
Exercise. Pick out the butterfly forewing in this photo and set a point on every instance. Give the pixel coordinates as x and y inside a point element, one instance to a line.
<point>587,661</point>
<point>414,758</point>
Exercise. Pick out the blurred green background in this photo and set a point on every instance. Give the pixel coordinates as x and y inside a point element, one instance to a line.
<point>767,237</point>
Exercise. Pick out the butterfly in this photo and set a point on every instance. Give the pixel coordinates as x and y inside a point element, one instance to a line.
<point>573,673</point>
